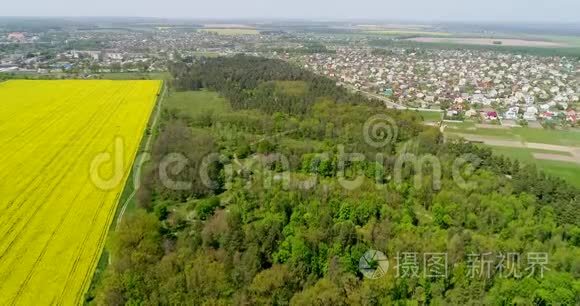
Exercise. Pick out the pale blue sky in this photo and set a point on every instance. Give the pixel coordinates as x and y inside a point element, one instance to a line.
<point>536,11</point>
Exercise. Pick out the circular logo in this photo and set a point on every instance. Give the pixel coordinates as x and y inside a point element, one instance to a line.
<point>373,264</point>
<point>380,131</point>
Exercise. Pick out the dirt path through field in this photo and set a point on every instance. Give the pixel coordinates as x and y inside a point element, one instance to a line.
<point>557,157</point>
<point>139,163</point>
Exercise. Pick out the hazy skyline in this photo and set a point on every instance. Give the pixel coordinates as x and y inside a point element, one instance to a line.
<point>523,11</point>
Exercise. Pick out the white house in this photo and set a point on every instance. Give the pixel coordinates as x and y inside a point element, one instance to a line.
<point>511,115</point>
<point>470,113</point>
<point>451,113</point>
<point>529,100</point>
<point>530,116</point>
<point>532,110</point>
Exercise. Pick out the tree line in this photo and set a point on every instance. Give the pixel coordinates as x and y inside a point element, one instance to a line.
<point>245,81</point>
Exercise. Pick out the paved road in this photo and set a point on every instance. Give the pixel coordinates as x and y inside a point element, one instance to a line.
<point>391,104</point>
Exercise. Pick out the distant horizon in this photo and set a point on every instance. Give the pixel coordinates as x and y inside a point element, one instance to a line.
<point>359,21</point>
<point>433,11</point>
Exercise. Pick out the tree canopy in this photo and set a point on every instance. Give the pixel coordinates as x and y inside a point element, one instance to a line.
<point>255,237</point>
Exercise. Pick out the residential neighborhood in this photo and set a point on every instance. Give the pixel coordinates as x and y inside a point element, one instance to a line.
<point>115,51</point>
<point>463,83</point>
<point>482,85</point>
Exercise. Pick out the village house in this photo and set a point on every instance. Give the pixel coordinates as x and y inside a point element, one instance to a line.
<point>530,116</point>
<point>571,116</point>
<point>512,113</point>
<point>16,36</point>
<point>488,113</point>
<point>470,113</point>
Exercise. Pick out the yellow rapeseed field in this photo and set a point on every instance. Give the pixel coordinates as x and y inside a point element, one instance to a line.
<point>60,144</point>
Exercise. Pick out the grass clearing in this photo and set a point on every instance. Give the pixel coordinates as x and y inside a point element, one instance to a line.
<point>136,76</point>
<point>569,138</point>
<point>537,135</point>
<point>558,137</point>
<point>460,127</point>
<point>293,88</point>
<point>565,170</point>
<point>431,116</point>
<point>525,154</point>
<point>568,171</point>
<point>194,103</point>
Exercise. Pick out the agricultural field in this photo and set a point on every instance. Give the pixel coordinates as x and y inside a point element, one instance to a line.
<point>556,152</point>
<point>538,135</point>
<point>566,170</point>
<point>135,76</point>
<point>104,76</point>
<point>403,32</point>
<point>68,148</point>
<point>232,31</point>
<point>490,41</point>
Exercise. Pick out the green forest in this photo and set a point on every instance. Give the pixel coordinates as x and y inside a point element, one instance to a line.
<point>280,222</point>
